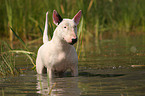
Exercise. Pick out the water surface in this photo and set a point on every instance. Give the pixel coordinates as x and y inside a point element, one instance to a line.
<point>104,70</point>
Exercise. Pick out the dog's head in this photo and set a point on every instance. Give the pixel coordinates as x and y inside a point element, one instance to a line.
<point>67,28</point>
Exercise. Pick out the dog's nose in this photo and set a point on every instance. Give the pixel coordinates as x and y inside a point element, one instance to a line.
<point>74,41</point>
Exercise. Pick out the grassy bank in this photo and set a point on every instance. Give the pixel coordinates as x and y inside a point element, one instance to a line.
<point>101,17</point>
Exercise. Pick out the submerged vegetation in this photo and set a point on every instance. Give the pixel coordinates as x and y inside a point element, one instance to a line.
<point>101,17</point>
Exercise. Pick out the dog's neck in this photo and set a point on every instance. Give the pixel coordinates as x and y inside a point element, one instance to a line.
<point>59,42</point>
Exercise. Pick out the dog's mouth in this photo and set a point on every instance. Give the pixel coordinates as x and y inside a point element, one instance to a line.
<point>73,41</point>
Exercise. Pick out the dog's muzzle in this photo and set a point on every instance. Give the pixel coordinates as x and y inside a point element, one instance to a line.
<point>73,41</point>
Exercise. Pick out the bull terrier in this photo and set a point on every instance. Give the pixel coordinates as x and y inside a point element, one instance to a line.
<point>59,54</point>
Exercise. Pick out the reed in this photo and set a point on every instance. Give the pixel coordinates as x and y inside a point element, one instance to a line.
<point>80,37</point>
<point>7,64</point>
<point>3,93</point>
<point>121,16</point>
<point>9,15</point>
<point>25,51</point>
<point>100,17</point>
<point>7,58</point>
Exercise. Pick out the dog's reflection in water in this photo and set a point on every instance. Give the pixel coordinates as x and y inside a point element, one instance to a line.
<point>67,86</point>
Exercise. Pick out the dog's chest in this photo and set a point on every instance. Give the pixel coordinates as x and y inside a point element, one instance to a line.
<point>64,60</point>
<point>61,56</point>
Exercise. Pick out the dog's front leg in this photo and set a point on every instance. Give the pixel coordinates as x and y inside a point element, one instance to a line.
<point>39,65</point>
<point>50,73</point>
<point>74,71</point>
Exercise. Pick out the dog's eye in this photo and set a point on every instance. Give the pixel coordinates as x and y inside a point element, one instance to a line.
<point>64,26</point>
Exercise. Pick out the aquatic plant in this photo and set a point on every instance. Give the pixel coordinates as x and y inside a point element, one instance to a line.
<point>80,38</point>
<point>7,61</point>
<point>112,16</point>
<point>7,65</point>
<point>9,15</point>
<point>100,17</point>
<point>25,51</point>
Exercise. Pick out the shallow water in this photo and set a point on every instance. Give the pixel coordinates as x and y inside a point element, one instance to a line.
<point>104,70</point>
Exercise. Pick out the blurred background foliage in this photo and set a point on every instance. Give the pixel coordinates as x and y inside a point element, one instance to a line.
<point>101,18</point>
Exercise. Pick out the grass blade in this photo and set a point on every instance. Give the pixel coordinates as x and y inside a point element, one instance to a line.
<point>23,43</point>
<point>80,30</point>
<point>40,29</point>
<point>27,53</point>
<point>22,51</point>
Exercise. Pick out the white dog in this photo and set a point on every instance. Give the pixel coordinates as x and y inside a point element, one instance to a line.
<point>59,54</point>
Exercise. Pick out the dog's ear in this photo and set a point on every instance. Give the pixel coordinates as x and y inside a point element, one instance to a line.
<point>56,18</point>
<point>77,17</point>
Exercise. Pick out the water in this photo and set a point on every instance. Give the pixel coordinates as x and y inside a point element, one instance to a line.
<point>104,70</point>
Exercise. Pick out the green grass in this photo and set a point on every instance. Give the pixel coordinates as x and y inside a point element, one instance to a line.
<point>7,57</point>
<point>7,61</point>
<point>9,15</point>
<point>100,19</point>
<point>25,51</point>
<point>110,16</point>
